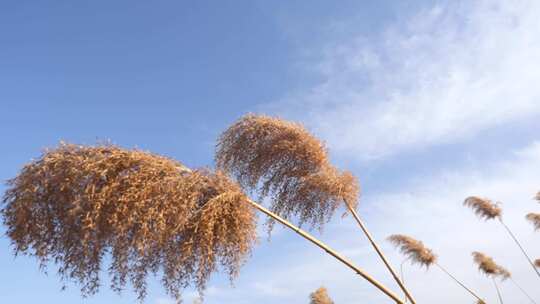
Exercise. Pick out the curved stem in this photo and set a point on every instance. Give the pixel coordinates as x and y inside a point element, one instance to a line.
<point>459,282</point>
<point>402,277</point>
<point>498,291</point>
<point>380,253</point>
<point>523,291</point>
<point>330,251</point>
<point>520,247</point>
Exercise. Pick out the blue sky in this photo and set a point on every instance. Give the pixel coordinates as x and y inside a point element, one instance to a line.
<point>426,102</point>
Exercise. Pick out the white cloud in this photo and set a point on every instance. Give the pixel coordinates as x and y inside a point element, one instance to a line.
<point>445,75</point>
<point>429,208</point>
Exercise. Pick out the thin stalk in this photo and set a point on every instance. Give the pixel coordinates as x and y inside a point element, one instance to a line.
<point>459,282</point>
<point>380,253</point>
<point>498,291</point>
<point>402,276</point>
<point>520,247</point>
<point>330,251</point>
<point>523,291</point>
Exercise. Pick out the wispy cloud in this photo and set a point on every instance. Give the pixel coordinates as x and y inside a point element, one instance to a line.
<point>444,75</point>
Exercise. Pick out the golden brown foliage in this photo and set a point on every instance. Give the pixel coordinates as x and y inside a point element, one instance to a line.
<point>483,207</point>
<point>289,164</point>
<point>320,296</point>
<point>488,266</point>
<point>413,249</point>
<point>534,218</point>
<point>76,204</point>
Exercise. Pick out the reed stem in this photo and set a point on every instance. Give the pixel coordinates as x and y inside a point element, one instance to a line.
<point>330,251</point>
<point>459,282</point>
<point>520,247</point>
<point>523,291</point>
<point>498,291</point>
<point>380,253</point>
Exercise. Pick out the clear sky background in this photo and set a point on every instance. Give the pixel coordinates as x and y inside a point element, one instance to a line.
<point>427,102</point>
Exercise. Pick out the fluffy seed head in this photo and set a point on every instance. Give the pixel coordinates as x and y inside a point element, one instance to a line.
<point>284,161</point>
<point>413,249</point>
<point>320,296</point>
<point>488,266</point>
<point>483,207</point>
<point>534,218</point>
<point>76,204</point>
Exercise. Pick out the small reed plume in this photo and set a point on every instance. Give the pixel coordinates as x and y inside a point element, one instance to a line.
<point>487,210</point>
<point>76,204</point>
<point>487,266</point>
<point>483,207</point>
<point>320,296</point>
<point>413,250</point>
<point>282,160</point>
<point>534,218</point>
<point>537,196</point>
<point>419,254</point>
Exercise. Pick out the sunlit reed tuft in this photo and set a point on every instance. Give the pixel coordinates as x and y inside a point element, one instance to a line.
<point>413,249</point>
<point>488,266</point>
<point>534,218</point>
<point>289,164</point>
<point>320,296</point>
<point>76,205</point>
<point>483,207</point>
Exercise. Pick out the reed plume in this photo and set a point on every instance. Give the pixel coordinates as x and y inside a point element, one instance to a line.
<point>283,161</point>
<point>487,210</point>
<point>75,204</point>
<point>483,207</point>
<point>534,218</point>
<point>537,196</point>
<point>320,296</point>
<point>415,251</point>
<point>290,166</point>
<point>487,266</point>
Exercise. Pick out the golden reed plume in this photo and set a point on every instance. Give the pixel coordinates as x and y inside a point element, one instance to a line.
<point>320,296</point>
<point>488,266</point>
<point>290,165</point>
<point>76,204</point>
<point>483,207</point>
<point>413,249</point>
<point>534,218</point>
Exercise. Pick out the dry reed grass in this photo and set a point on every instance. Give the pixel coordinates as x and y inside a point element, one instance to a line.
<point>320,296</point>
<point>483,207</point>
<point>488,266</point>
<point>76,204</point>
<point>534,218</point>
<point>289,164</point>
<point>413,249</point>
